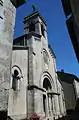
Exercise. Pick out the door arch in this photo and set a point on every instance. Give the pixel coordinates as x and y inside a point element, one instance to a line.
<point>46,102</point>
<point>46,75</point>
<point>48,85</point>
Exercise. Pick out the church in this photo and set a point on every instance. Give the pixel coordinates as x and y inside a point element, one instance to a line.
<point>35,91</point>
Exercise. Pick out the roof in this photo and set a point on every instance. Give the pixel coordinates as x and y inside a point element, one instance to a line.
<point>34,14</point>
<point>17,47</point>
<point>18,39</point>
<point>67,77</point>
<point>24,35</point>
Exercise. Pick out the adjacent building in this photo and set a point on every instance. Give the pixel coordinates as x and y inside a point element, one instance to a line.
<point>71,10</point>
<point>35,91</point>
<point>30,87</point>
<point>7,22</point>
<point>70,84</point>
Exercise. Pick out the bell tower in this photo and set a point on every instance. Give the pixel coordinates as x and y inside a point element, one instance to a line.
<point>35,23</point>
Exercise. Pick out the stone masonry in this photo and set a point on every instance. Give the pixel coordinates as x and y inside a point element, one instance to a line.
<point>35,91</point>
<point>7,21</point>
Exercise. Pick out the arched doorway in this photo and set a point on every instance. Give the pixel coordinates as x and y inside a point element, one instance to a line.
<point>16,78</point>
<point>47,99</point>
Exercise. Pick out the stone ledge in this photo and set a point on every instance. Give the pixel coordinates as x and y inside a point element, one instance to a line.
<point>31,87</point>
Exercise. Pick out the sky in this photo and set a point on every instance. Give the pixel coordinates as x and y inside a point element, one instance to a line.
<point>58,37</point>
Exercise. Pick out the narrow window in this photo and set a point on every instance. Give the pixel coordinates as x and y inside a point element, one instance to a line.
<point>42,30</point>
<point>31,27</point>
<point>15,82</point>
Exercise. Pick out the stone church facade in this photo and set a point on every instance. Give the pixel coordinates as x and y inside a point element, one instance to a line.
<point>35,91</point>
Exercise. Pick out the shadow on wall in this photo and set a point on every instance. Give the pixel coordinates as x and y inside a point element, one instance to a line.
<point>72,114</point>
<point>76,111</point>
<point>3,115</point>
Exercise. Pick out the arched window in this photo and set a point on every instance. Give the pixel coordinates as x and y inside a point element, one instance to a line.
<point>15,82</point>
<point>16,78</point>
<point>31,27</point>
<point>46,84</point>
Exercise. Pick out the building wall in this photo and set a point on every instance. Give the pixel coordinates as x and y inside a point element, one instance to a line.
<point>69,94</point>
<point>71,9</point>
<point>36,70</point>
<point>75,14</point>
<point>61,98</point>
<point>7,21</point>
<point>75,11</point>
<point>42,98</point>
<point>17,104</point>
<point>39,68</point>
<point>70,88</point>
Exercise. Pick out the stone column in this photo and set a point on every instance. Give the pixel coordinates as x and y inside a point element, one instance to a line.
<point>30,103</point>
<point>47,107</point>
<point>53,105</point>
<point>61,104</point>
<point>64,107</point>
<point>57,111</point>
<point>50,105</point>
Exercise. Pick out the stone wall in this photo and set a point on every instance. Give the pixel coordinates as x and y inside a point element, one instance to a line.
<point>7,21</point>
<point>17,105</point>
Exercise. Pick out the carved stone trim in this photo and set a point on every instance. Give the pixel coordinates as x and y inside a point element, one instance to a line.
<point>1,17</point>
<point>1,2</point>
<point>31,87</point>
<point>53,93</point>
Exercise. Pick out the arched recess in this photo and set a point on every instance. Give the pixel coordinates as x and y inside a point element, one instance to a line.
<point>16,77</point>
<point>47,86</point>
<point>47,83</point>
<point>47,76</point>
<point>15,67</point>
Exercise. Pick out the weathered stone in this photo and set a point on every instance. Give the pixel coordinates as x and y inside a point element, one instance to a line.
<point>7,21</point>
<point>36,64</point>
